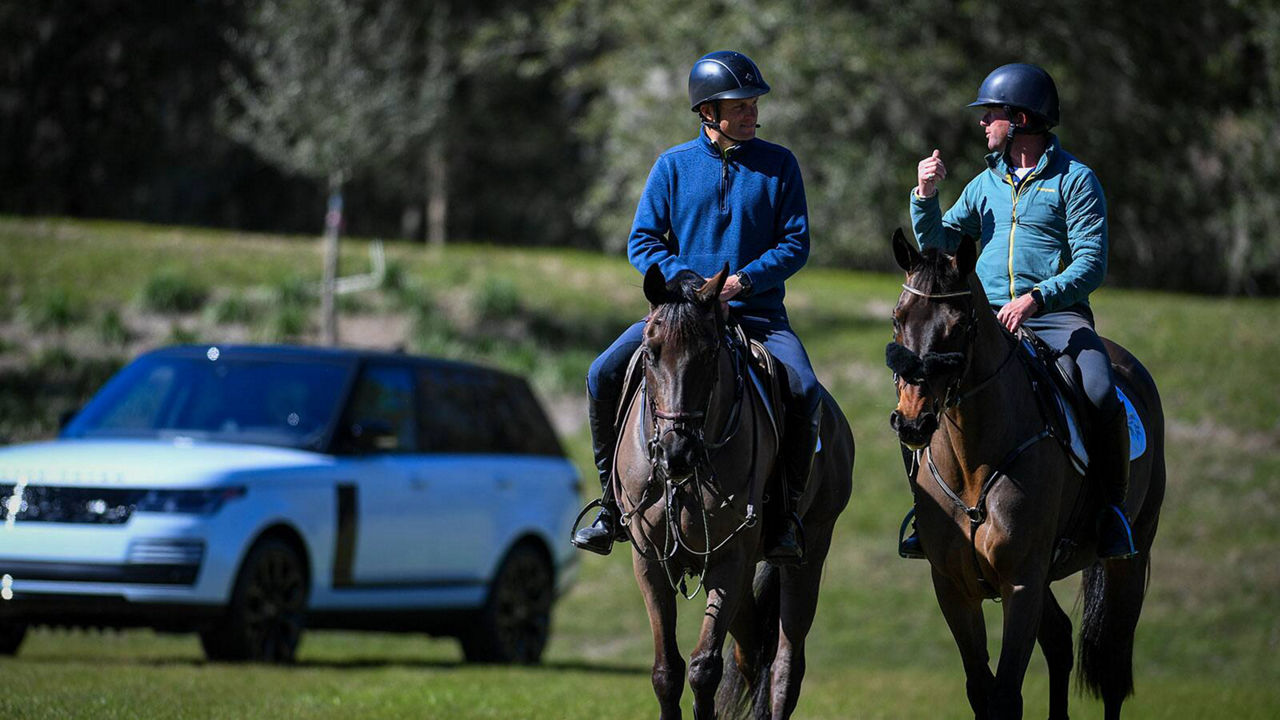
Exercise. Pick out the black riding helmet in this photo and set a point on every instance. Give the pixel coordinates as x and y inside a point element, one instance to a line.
<point>1021,86</point>
<point>724,75</point>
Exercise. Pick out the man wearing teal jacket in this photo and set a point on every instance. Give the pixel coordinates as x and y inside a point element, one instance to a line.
<point>1040,217</point>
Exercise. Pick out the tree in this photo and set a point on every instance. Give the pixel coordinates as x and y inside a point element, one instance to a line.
<point>325,92</point>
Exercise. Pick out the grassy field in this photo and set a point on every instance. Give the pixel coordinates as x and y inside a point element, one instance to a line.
<point>79,298</point>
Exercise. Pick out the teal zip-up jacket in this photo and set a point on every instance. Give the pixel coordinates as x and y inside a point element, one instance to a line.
<point>1048,231</point>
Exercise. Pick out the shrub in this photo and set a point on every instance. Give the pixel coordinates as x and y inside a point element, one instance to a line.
<point>497,298</point>
<point>55,309</point>
<point>232,309</point>
<point>172,291</point>
<point>111,328</point>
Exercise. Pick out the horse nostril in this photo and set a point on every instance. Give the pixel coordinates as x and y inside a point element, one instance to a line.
<point>895,420</point>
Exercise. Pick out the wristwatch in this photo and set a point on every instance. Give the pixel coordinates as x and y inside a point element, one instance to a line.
<point>1038,297</point>
<point>744,281</point>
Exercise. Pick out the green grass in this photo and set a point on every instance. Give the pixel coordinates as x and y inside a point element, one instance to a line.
<point>1210,630</point>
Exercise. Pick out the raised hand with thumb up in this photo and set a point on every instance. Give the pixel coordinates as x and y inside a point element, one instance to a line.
<point>928,173</point>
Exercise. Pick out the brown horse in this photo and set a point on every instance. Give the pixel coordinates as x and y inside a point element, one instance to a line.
<point>695,453</point>
<point>1000,510</point>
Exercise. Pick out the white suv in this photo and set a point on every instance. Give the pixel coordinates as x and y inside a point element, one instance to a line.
<point>248,492</point>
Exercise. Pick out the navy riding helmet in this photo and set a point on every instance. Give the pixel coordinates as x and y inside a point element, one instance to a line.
<point>1021,86</point>
<point>724,75</point>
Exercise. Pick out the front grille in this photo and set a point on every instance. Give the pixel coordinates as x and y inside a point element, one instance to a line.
<point>40,503</point>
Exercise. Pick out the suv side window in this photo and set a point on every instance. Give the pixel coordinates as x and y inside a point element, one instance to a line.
<point>464,410</point>
<point>524,427</point>
<point>451,412</point>
<point>380,416</point>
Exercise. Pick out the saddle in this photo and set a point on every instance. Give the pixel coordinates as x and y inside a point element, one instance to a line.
<point>1060,394</point>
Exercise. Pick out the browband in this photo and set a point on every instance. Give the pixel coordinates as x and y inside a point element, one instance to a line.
<point>931,296</point>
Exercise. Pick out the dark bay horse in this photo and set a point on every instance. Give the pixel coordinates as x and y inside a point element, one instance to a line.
<point>696,449</point>
<point>1001,511</point>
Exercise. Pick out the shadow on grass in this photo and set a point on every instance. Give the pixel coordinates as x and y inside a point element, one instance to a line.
<point>583,666</point>
<point>359,663</point>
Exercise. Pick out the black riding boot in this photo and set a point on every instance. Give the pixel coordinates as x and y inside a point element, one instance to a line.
<point>784,540</point>
<point>1109,467</point>
<point>909,547</point>
<point>599,536</point>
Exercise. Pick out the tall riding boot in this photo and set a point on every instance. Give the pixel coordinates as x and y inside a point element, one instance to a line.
<point>784,541</point>
<point>599,536</point>
<point>909,547</point>
<point>1109,468</point>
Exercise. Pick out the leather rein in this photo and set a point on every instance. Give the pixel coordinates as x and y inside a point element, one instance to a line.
<point>703,479</point>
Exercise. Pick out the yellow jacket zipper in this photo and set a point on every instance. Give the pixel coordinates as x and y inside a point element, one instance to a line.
<point>1016,189</point>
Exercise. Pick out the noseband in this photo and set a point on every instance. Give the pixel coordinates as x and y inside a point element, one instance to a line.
<point>914,369</point>
<point>692,423</point>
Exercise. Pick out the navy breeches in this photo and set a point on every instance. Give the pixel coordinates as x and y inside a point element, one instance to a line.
<point>1071,333</point>
<point>604,377</point>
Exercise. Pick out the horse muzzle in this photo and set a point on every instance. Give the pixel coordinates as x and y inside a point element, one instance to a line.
<point>914,432</point>
<point>677,455</point>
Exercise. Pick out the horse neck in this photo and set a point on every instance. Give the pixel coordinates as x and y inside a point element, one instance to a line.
<point>995,399</point>
<point>723,395</point>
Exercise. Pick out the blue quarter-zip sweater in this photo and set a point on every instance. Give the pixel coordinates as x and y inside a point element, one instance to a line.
<point>746,207</point>
<point>1048,231</point>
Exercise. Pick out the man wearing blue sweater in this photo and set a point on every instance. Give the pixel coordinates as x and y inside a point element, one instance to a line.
<point>1041,220</point>
<point>724,197</point>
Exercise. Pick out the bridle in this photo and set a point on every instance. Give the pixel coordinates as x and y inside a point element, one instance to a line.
<point>977,513</point>
<point>918,372</point>
<point>692,423</point>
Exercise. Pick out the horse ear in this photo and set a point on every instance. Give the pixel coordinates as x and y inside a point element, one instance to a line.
<point>967,256</point>
<point>655,285</point>
<point>710,290</point>
<point>904,252</point>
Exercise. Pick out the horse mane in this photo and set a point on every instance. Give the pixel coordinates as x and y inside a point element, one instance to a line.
<point>682,313</point>
<point>938,273</point>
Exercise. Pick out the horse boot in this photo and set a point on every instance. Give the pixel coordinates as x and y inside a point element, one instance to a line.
<point>784,543</point>
<point>599,536</point>
<point>1110,469</point>
<point>909,546</point>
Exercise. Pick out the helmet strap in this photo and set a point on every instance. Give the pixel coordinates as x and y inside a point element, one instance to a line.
<point>715,112</point>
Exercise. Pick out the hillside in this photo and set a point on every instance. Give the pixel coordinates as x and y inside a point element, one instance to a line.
<point>79,298</point>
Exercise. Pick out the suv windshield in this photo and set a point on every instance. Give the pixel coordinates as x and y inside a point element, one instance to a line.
<point>258,401</point>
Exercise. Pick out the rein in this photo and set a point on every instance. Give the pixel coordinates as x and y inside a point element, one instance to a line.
<point>977,514</point>
<point>693,423</point>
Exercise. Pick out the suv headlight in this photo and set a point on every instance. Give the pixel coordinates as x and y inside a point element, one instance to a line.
<point>191,502</point>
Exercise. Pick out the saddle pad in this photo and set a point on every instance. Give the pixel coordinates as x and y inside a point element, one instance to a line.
<point>1080,455</point>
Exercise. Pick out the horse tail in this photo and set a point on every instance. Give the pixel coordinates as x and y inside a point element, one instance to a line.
<point>740,697</point>
<point>1113,594</point>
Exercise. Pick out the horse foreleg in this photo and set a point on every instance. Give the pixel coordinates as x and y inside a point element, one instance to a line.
<point>964,616</point>
<point>1055,643</point>
<point>726,588</point>
<point>668,666</point>
<point>798,603</point>
<point>1023,608</point>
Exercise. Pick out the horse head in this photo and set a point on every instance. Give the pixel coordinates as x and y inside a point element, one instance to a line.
<point>683,339</point>
<point>934,324</point>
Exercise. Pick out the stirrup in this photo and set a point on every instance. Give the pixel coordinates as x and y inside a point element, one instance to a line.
<point>909,545</point>
<point>1118,548</point>
<point>600,541</point>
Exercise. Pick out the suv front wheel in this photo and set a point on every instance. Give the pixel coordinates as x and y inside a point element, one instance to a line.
<point>263,621</point>
<point>11,635</point>
<point>516,619</point>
